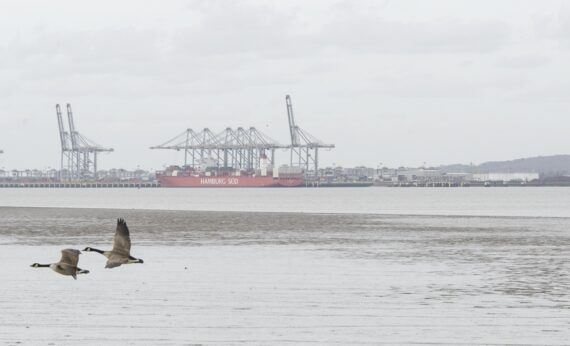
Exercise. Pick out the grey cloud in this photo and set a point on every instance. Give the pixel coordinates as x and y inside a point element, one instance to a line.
<point>237,28</point>
<point>136,81</point>
<point>523,61</point>
<point>373,34</point>
<point>112,50</point>
<point>555,26</point>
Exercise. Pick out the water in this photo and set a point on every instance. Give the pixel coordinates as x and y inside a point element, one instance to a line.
<point>470,266</point>
<point>511,201</point>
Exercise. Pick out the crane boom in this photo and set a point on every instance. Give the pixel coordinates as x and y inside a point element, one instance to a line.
<point>62,134</point>
<point>72,132</point>
<point>292,126</point>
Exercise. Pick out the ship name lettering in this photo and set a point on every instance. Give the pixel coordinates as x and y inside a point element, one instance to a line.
<point>219,181</point>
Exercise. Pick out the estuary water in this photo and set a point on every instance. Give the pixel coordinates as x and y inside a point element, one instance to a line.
<point>391,266</point>
<point>508,201</point>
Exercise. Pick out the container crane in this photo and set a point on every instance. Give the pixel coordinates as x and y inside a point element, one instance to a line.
<point>78,153</point>
<point>304,146</point>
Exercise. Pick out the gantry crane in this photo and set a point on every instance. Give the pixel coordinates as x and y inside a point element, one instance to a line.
<point>238,149</point>
<point>245,149</point>
<point>78,153</point>
<point>304,146</point>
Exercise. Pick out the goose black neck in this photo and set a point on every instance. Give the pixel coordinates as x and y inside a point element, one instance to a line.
<point>43,265</point>
<point>97,250</point>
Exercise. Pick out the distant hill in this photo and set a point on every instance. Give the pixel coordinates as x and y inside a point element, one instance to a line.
<point>548,166</point>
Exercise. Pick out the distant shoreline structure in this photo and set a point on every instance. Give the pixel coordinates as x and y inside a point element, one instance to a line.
<point>535,171</point>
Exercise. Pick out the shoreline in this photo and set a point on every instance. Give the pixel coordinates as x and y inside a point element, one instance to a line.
<point>291,213</point>
<point>49,225</point>
<point>512,202</point>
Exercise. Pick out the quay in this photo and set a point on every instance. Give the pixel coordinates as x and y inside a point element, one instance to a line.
<point>79,185</point>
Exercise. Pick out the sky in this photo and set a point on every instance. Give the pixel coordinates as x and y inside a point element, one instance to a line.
<point>392,83</point>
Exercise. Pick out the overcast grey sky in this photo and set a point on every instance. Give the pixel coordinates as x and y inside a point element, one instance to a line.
<point>398,82</point>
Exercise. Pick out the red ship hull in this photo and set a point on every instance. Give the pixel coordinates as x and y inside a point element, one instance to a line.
<point>228,181</point>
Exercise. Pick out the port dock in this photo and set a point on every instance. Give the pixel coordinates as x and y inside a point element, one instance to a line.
<point>76,185</point>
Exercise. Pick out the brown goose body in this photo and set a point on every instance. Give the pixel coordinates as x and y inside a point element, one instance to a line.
<point>67,265</point>
<point>121,252</point>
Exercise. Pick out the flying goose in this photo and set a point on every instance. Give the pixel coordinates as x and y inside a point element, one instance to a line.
<point>121,252</point>
<point>67,265</point>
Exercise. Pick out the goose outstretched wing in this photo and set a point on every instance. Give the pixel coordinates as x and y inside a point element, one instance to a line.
<point>122,241</point>
<point>70,256</point>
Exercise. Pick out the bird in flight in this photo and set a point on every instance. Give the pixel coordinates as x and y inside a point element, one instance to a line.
<point>121,252</point>
<point>67,265</point>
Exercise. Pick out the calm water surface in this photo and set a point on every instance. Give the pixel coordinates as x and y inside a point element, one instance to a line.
<point>287,278</point>
<point>523,201</point>
<point>452,266</point>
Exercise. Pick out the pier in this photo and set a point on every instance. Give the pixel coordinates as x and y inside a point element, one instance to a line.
<point>76,185</point>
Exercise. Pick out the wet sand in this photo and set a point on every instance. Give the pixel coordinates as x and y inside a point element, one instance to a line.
<point>278,278</point>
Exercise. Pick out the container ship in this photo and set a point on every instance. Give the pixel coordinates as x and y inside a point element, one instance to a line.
<point>188,177</point>
<point>242,157</point>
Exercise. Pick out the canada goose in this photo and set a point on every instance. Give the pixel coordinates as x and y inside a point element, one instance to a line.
<point>67,265</point>
<point>121,252</point>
